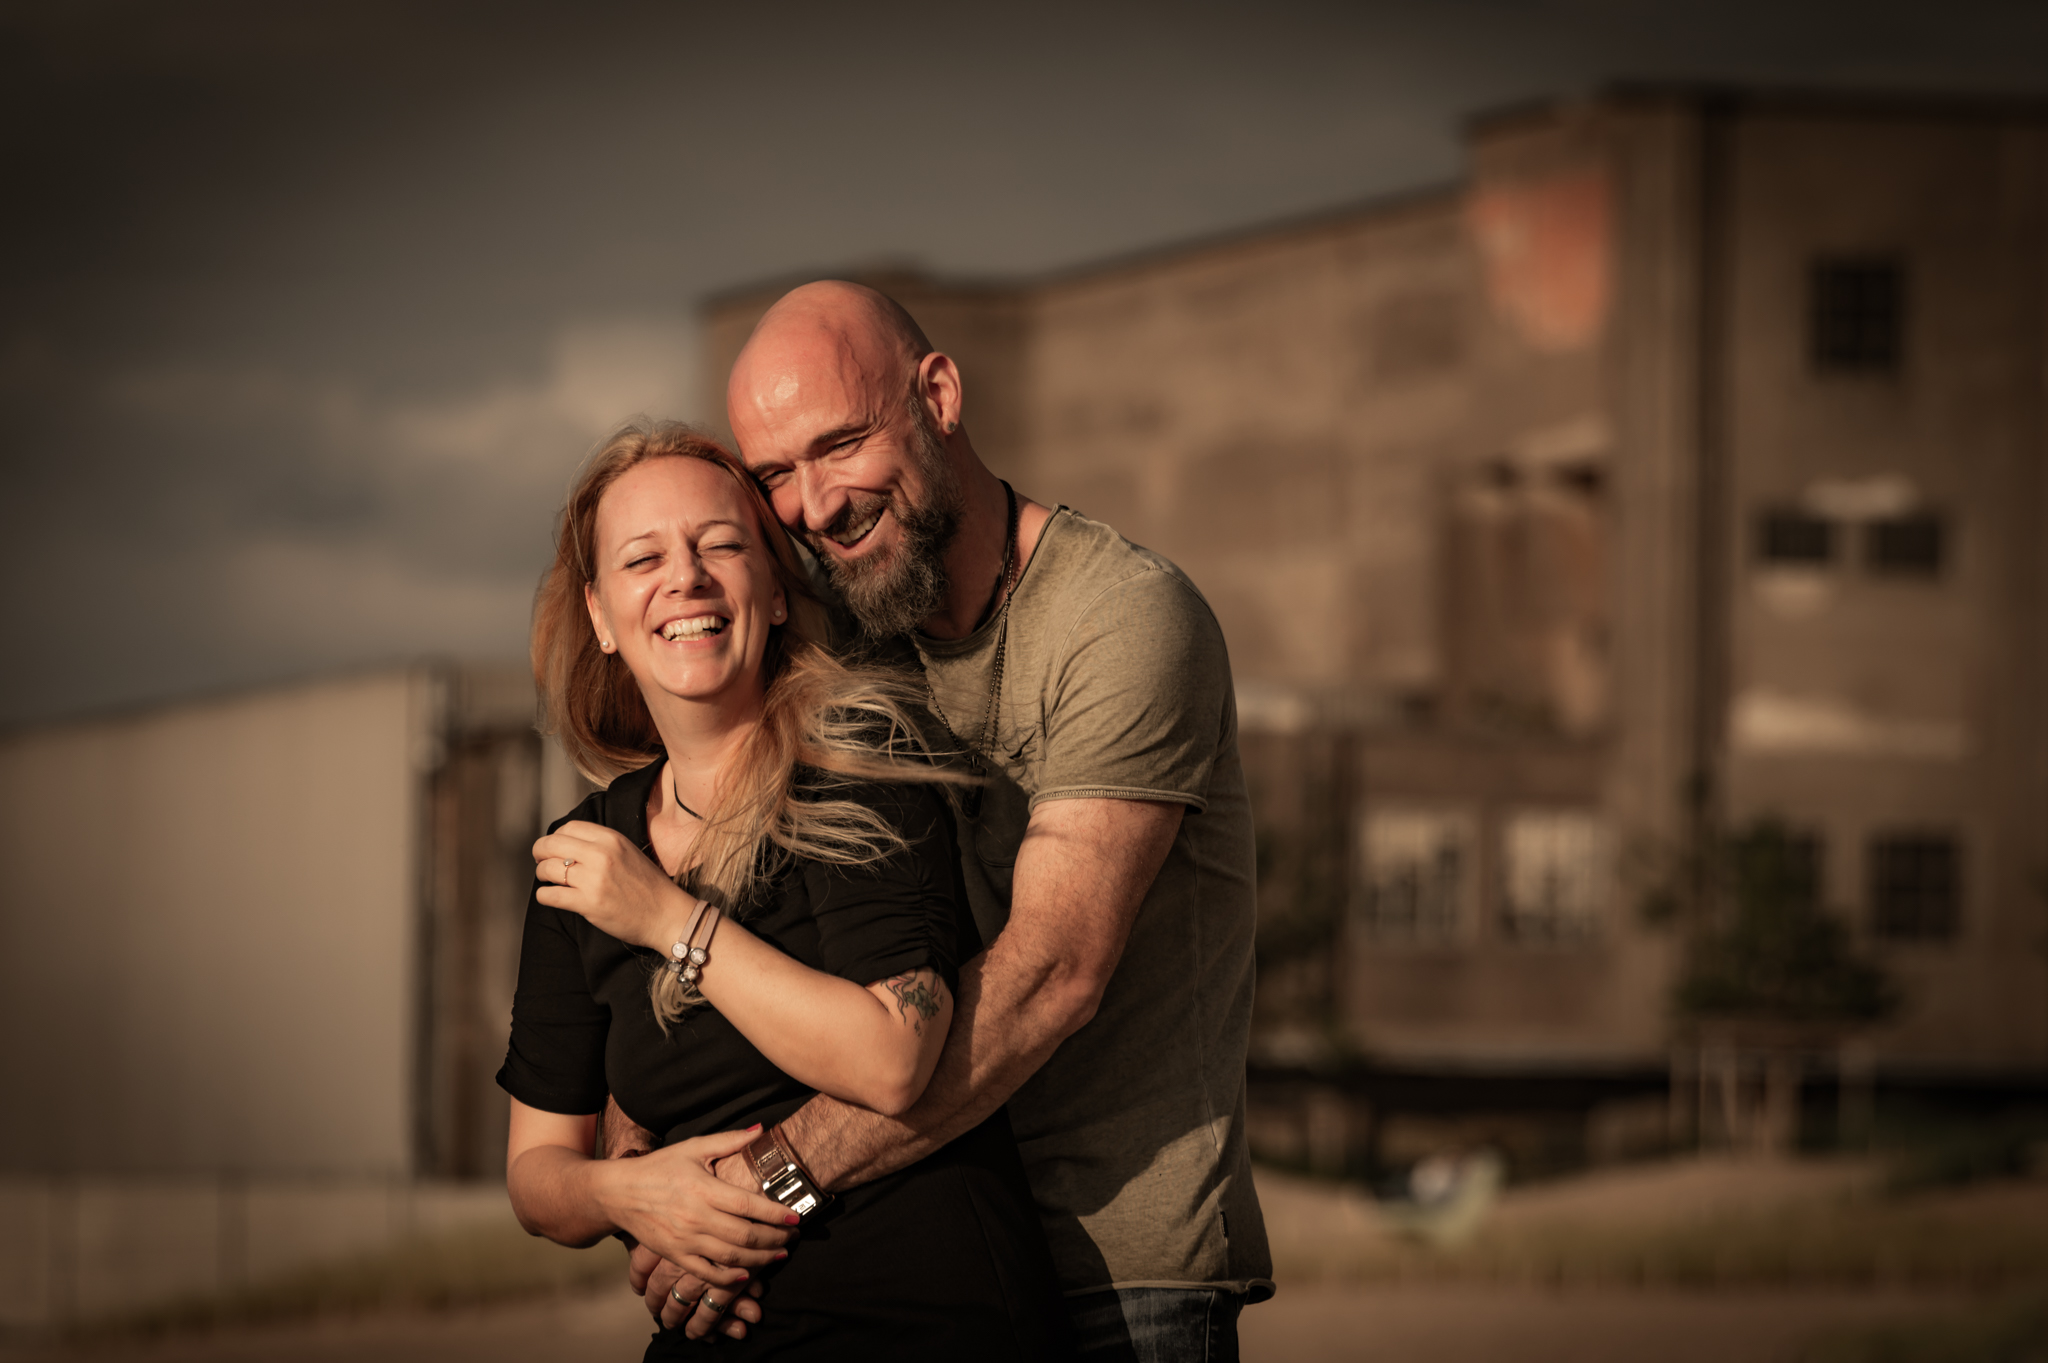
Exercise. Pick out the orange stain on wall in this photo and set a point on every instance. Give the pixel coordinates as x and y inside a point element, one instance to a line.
<point>1547,245</point>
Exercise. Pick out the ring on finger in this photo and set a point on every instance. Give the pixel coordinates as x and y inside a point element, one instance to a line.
<point>567,862</point>
<point>716,1308</point>
<point>679,1299</point>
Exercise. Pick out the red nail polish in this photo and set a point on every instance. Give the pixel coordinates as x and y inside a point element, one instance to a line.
<point>780,1255</point>
<point>792,1220</point>
<point>755,1127</point>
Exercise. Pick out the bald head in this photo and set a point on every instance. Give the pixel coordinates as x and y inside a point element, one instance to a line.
<point>830,339</point>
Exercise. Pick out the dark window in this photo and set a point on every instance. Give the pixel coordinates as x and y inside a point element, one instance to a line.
<point>1859,315</point>
<point>1905,545</point>
<point>1785,536</point>
<point>1915,886</point>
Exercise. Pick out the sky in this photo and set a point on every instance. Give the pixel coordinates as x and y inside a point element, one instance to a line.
<point>308,312</point>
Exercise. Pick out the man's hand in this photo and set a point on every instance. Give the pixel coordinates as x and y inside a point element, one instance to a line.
<point>619,1136</point>
<point>660,1283</point>
<point>657,1281</point>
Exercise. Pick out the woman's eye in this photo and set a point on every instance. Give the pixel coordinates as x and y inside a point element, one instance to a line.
<point>643,561</point>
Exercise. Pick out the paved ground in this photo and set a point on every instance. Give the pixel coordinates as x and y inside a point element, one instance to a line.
<point>1433,1324</point>
<point>1307,1323</point>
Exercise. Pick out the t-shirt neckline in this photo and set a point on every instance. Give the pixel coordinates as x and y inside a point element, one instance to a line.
<point>986,633</point>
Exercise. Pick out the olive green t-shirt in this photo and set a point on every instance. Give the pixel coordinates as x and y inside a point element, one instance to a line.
<point>1116,684</point>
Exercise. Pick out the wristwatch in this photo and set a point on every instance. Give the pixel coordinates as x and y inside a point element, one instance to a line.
<point>782,1177</point>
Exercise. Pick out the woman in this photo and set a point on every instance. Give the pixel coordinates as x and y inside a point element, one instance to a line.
<point>759,906</point>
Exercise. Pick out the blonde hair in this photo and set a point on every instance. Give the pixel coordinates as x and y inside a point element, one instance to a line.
<point>824,723</point>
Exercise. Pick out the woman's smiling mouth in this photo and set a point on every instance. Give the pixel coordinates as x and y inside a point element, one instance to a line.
<point>696,627</point>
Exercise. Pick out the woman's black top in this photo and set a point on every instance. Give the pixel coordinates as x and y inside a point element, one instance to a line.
<point>946,1255</point>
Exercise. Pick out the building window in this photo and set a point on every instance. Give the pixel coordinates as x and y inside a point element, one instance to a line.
<point>1915,887</point>
<point>1416,872</point>
<point>1859,315</point>
<point>1791,536</point>
<point>1556,875</point>
<point>1905,546</point>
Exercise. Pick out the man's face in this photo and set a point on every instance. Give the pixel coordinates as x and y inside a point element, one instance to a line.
<point>851,462</point>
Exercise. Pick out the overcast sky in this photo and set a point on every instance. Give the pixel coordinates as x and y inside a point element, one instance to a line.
<point>307,311</point>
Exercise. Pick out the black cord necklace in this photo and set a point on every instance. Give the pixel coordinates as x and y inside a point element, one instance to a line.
<point>678,798</point>
<point>1006,587</point>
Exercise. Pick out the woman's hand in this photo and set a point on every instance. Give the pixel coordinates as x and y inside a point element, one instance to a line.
<point>594,871</point>
<point>678,1208</point>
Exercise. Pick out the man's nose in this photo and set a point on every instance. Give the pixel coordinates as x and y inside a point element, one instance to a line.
<point>821,498</point>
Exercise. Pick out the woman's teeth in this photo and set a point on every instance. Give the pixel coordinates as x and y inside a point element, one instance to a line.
<point>703,627</point>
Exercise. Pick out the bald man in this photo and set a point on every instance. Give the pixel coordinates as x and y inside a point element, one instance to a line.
<point>1109,857</point>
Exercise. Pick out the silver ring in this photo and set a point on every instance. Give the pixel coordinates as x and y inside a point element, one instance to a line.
<point>679,1299</point>
<point>716,1308</point>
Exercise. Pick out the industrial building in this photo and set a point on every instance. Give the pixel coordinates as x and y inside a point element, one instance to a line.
<point>1686,460</point>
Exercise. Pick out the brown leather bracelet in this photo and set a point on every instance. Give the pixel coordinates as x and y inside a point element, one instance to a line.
<point>782,1176</point>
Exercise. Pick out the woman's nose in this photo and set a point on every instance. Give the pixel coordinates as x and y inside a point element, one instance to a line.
<point>686,572</point>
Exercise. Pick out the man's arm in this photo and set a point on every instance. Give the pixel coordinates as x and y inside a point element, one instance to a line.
<point>1082,873</point>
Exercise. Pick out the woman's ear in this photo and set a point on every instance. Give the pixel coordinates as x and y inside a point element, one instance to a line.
<point>780,611</point>
<point>597,622</point>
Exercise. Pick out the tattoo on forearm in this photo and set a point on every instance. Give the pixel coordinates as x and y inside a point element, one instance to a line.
<point>918,995</point>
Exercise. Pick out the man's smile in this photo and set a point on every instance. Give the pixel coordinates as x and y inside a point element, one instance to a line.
<point>856,523</point>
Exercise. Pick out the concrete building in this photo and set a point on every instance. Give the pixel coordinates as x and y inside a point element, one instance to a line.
<point>1694,443</point>
<point>257,963</point>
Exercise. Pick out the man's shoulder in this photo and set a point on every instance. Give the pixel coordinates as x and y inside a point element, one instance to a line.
<point>1092,565</point>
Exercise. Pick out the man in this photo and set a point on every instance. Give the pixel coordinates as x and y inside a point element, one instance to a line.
<point>1111,1010</point>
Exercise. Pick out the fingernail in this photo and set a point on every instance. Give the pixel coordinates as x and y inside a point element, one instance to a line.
<point>792,1220</point>
<point>743,1275</point>
<point>780,1255</point>
<point>755,1127</point>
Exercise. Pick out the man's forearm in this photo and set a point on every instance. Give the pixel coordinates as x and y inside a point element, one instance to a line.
<point>1003,1030</point>
<point>1082,873</point>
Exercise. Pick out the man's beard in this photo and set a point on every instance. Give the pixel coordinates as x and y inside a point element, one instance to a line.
<point>892,594</point>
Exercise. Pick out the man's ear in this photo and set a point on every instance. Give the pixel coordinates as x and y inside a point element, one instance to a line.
<point>938,381</point>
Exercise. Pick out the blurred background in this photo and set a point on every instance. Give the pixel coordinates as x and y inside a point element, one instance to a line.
<point>1614,436</point>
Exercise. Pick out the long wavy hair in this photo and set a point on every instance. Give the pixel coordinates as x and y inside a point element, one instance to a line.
<point>824,723</point>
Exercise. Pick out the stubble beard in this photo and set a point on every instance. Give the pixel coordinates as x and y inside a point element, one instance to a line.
<point>893,593</point>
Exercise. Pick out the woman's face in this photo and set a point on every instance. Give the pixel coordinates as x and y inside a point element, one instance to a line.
<point>684,587</point>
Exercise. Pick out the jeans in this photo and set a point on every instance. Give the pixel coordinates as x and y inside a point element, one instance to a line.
<point>1156,1325</point>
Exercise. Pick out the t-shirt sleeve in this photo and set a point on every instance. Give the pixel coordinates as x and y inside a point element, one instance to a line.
<point>1140,697</point>
<point>556,1058</point>
<point>897,914</point>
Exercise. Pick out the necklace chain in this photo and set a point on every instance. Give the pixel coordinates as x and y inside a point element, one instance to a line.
<point>1006,584</point>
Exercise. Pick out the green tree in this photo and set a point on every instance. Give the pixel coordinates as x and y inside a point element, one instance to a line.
<point>1760,946</point>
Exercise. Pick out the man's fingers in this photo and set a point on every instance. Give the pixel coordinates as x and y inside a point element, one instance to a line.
<point>665,1278</point>
<point>716,1274</point>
